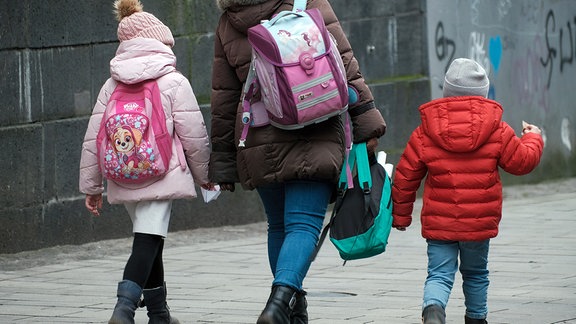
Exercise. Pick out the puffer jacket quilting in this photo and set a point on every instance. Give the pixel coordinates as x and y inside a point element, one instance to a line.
<point>273,155</point>
<point>135,61</point>
<point>458,148</point>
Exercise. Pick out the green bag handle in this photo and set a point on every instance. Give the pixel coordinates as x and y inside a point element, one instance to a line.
<point>358,157</point>
<point>347,167</point>
<point>363,166</point>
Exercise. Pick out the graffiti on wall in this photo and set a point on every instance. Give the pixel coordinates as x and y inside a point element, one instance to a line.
<point>528,49</point>
<point>444,46</point>
<point>563,50</point>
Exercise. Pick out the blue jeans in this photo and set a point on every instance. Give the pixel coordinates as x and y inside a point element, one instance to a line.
<point>442,266</point>
<point>295,212</point>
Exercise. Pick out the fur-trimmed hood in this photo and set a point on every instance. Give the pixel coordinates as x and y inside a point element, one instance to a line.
<point>243,14</point>
<point>225,4</point>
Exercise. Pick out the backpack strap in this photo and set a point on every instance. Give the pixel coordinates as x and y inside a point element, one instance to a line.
<point>102,131</point>
<point>364,176</point>
<point>159,121</point>
<point>250,87</point>
<point>345,181</point>
<point>363,167</point>
<point>299,5</point>
<point>348,142</point>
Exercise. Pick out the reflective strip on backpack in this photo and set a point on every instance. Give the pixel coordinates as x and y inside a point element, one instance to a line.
<point>325,97</point>
<point>314,82</point>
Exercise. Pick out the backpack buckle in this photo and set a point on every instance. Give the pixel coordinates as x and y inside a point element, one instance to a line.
<point>366,188</point>
<point>246,118</point>
<point>307,62</point>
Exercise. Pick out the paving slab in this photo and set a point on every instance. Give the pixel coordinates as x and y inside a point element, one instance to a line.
<point>220,275</point>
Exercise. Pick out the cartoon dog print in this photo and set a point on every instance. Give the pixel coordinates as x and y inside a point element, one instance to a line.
<point>126,141</point>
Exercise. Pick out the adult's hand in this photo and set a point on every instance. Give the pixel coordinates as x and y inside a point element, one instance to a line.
<point>371,145</point>
<point>227,186</point>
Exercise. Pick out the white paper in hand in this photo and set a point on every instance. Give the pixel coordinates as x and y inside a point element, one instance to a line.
<point>210,195</point>
<point>381,158</point>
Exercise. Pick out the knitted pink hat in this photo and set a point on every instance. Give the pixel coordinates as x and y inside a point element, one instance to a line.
<point>134,22</point>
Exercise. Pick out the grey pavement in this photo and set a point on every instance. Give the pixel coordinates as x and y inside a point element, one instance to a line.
<point>220,275</point>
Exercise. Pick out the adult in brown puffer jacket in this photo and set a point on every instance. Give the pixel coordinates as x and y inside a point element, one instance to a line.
<point>294,171</point>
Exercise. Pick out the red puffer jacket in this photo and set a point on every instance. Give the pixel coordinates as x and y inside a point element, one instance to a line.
<point>459,146</point>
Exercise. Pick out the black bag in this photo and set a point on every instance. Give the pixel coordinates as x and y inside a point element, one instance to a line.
<point>361,220</point>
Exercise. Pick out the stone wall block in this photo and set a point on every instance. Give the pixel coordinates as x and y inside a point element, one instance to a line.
<point>22,175</point>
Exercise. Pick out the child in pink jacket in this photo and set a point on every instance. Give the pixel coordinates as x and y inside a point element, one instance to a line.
<point>458,150</point>
<point>145,53</point>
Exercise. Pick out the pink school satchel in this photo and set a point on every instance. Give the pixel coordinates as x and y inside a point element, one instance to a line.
<point>296,75</point>
<point>133,142</point>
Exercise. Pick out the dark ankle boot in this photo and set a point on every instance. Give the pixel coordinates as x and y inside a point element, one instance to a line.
<point>299,313</point>
<point>468,320</point>
<point>158,311</point>
<point>433,314</point>
<point>128,294</point>
<point>279,306</point>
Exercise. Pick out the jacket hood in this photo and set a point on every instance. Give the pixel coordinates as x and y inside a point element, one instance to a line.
<point>243,14</point>
<point>460,124</point>
<point>141,59</point>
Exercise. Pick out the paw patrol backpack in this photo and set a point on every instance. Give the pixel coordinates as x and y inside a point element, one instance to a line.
<point>133,142</point>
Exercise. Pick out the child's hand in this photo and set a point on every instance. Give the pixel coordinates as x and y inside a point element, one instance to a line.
<point>93,203</point>
<point>529,128</point>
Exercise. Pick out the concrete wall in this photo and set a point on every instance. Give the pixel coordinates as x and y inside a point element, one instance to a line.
<point>54,58</point>
<point>529,49</point>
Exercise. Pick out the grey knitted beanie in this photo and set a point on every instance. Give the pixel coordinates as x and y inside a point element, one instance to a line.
<point>465,77</point>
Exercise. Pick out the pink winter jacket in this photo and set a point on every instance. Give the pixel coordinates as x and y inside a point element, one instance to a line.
<point>137,60</point>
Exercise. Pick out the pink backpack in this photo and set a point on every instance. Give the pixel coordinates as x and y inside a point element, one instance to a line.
<point>296,76</point>
<point>133,142</point>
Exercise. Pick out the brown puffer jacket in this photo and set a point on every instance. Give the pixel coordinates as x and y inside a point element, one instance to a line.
<point>271,155</point>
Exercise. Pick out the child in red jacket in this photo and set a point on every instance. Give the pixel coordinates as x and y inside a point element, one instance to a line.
<point>459,147</point>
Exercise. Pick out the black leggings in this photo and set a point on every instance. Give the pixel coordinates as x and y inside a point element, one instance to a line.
<point>145,266</point>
